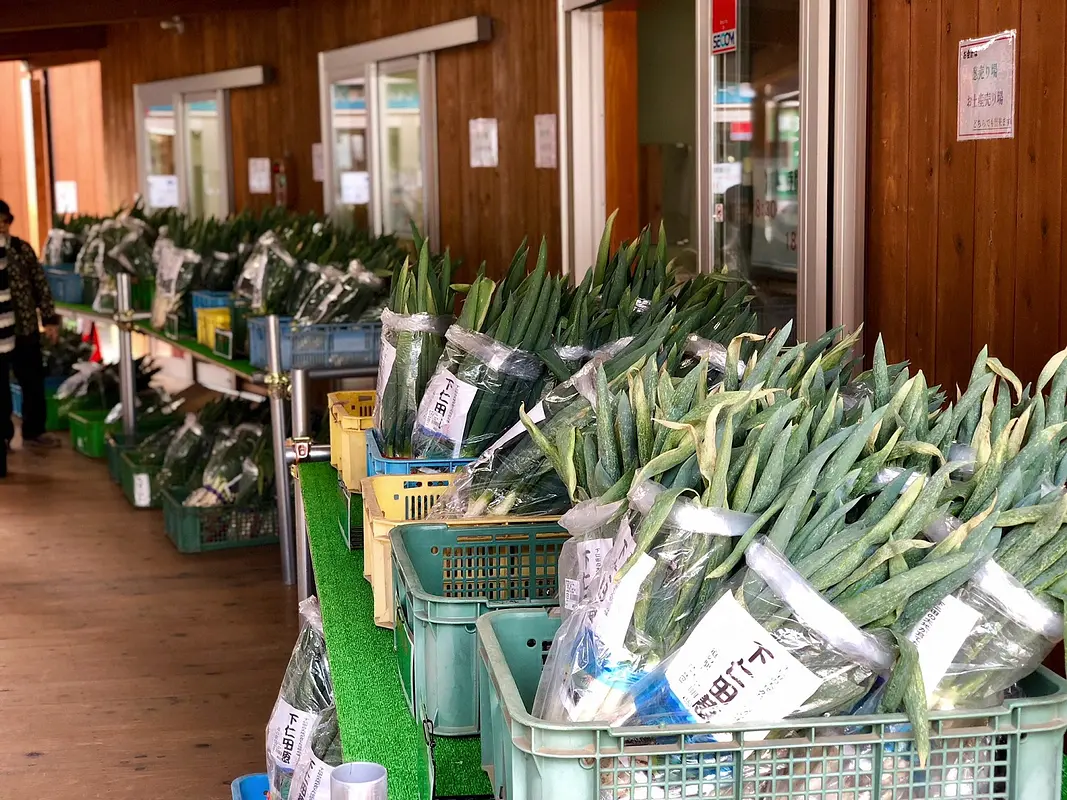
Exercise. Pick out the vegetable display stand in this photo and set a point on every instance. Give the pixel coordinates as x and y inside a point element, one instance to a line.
<point>445,578</point>
<point>139,482</point>
<point>250,787</point>
<point>66,286</point>
<point>388,501</point>
<point>198,529</point>
<point>377,464</point>
<point>335,344</point>
<point>1009,752</point>
<point>351,416</point>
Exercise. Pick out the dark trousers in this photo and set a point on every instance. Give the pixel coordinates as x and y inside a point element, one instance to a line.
<point>26,364</point>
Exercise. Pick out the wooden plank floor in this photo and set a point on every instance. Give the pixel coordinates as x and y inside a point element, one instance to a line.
<point>127,670</point>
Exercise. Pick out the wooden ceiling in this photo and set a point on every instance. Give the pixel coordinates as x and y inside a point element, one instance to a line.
<point>55,31</point>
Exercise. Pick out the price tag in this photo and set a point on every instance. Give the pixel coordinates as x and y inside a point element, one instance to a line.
<point>142,490</point>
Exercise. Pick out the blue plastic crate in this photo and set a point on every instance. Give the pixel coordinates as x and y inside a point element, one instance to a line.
<point>206,299</point>
<point>377,464</point>
<point>251,787</point>
<point>66,286</point>
<point>335,344</point>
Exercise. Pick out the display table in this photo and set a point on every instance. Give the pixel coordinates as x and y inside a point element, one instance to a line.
<point>371,710</point>
<point>201,352</point>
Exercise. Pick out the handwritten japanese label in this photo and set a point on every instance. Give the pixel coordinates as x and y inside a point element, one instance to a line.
<point>986,86</point>
<point>731,670</point>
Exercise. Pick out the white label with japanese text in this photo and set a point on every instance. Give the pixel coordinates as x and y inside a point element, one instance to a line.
<point>536,414</point>
<point>572,593</point>
<point>444,408</point>
<point>312,780</point>
<point>731,670</point>
<point>289,734</point>
<point>986,88</point>
<point>613,615</point>
<point>939,635</point>
<point>142,490</point>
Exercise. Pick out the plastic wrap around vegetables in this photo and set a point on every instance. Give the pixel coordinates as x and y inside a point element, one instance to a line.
<point>305,699</point>
<point>833,526</point>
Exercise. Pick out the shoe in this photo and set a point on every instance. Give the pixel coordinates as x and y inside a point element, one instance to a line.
<point>15,444</point>
<point>45,441</point>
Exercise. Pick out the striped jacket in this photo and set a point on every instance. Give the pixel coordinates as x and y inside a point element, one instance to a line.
<point>29,289</point>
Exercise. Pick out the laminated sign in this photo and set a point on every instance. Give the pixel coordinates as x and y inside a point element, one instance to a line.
<point>986,98</point>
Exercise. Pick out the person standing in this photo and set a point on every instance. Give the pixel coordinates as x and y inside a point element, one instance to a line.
<point>24,292</point>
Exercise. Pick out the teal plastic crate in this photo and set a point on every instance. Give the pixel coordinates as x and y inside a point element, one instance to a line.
<point>1010,752</point>
<point>444,578</point>
<point>251,787</point>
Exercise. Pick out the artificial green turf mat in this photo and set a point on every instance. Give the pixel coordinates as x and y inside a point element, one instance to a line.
<point>371,709</point>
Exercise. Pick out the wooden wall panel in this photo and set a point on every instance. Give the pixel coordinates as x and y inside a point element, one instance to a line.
<point>621,147</point>
<point>484,212</point>
<point>965,244</point>
<point>13,151</point>
<point>78,133</point>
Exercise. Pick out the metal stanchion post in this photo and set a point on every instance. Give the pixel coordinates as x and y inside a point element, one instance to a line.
<point>127,379</point>
<point>300,426</point>
<point>277,384</point>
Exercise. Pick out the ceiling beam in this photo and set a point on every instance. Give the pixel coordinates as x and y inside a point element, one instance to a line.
<point>36,14</point>
<point>23,45</point>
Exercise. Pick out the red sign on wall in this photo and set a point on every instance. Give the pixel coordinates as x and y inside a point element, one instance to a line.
<point>723,26</point>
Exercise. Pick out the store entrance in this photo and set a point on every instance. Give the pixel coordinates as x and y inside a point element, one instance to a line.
<point>714,118</point>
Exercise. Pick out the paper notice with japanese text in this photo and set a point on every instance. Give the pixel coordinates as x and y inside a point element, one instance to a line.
<point>986,88</point>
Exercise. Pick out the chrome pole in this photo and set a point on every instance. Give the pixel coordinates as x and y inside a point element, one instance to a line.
<point>127,379</point>
<point>300,427</point>
<point>277,385</point>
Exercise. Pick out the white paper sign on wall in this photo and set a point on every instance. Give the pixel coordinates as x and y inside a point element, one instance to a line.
<point>163,191</point>
<point>545,141</point>
<point>355,188</point>
<point>318,162</point>
<point>483,135</point>
<point>66,197</point>
<point>986,88</point>
<point>259,176</point>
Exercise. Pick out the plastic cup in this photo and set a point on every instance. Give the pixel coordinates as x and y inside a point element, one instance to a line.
<point>358,780</point>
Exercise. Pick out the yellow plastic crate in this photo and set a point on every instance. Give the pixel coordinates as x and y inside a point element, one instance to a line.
<point>351,416</point>
<point>388,501</point>
<point>210,319</point>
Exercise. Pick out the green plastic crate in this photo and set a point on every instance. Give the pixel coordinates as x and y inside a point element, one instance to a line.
<point>198,530</point>
<point>87,431</point>
<point>115,444</point>
<point>139,482</point>
<point>444,578</point>
<point>1010,752</point>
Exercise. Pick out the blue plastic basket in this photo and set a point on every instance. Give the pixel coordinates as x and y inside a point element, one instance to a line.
<point>251,787</point>
<point>335,344</point>
<point>377,464</point>
<point>206,299</point>
<point>66,286</point>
